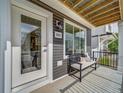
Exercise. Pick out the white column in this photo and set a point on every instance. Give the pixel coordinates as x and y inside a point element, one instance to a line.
<point>99,44</point>
<point>5,45</point>
<point>120,48</point>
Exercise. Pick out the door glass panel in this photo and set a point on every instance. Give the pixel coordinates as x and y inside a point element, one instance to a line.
<point>30,44</point>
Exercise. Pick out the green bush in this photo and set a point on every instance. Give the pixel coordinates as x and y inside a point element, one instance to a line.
<point>104,60</point>
<point>113,47</point>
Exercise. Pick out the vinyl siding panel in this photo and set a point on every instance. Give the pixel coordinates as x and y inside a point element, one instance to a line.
<point>58,71</point>
<point>88,42</point>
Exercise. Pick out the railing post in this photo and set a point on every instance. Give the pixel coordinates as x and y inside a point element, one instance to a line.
<point>116,60</point>
<point>93,55</point>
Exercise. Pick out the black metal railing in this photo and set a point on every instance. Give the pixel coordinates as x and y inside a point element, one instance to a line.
<point>105,58</point>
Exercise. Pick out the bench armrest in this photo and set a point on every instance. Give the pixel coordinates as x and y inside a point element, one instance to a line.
<point>94,59</point>
<point>79,63</point>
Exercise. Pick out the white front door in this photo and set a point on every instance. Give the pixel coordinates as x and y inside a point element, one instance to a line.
<point>29,49</point>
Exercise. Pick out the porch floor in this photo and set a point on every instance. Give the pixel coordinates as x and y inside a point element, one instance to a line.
<point>103,80</point>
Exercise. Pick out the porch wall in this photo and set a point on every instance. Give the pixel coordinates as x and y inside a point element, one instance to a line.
<point>59,71</point>
<point>88,41</point>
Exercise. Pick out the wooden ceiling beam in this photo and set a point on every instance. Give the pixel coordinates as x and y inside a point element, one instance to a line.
<point>65,1</point>
<point>99,7</point>
<point>106,20</point>
<point>77,3</point>
<point>106,17</point>
<point>102,11</point>
<point>109,22</point>
<point>87,4</point>
<point>121,8</point>
<point>67,4</point>
<point>112,21</point>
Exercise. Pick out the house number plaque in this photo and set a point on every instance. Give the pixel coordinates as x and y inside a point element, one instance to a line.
<point>58,34</point>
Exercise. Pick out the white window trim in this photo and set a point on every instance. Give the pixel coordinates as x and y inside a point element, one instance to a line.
<point>74,25</point>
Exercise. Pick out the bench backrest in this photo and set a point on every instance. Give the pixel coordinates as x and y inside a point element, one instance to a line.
<point>74,58</point>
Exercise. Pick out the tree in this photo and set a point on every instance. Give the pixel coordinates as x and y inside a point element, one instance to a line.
<point>113,47</point>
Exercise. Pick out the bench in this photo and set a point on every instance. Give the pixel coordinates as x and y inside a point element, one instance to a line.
<point>77,63</point>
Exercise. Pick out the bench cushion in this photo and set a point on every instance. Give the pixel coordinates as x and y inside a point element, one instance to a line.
<point>84,64</point>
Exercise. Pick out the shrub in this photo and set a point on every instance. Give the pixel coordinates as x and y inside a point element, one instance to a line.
<point>105,60</point>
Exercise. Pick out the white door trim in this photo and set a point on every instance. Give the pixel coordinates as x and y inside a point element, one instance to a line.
<point>42,12</point>
<point>18,78</point>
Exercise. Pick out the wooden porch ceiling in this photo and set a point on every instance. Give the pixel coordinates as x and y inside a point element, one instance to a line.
<point>97,12</point>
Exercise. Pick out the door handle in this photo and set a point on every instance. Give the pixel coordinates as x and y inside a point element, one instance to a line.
<point>44,49</point>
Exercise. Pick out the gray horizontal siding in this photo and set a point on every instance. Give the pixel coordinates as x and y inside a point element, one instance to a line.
<point>88,41</point>
<point>56,29</point>
<point>58,71</point>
